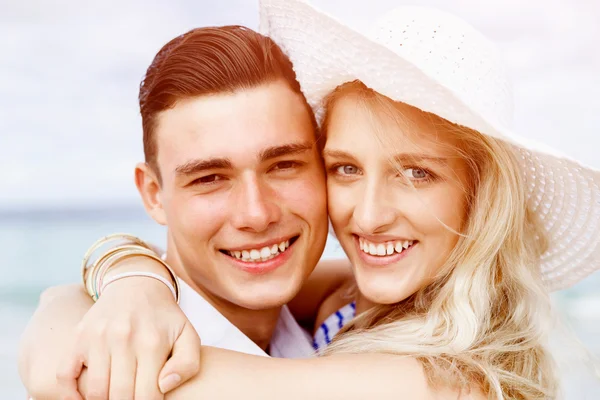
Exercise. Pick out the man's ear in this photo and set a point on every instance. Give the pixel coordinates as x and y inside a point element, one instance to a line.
<point>148,185</point>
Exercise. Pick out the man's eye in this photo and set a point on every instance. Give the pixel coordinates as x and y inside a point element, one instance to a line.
<point>209,179</point>
<point>285,165</point>
<point>346,170</point>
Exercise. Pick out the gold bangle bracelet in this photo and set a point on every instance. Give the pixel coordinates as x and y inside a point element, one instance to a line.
<point>113,256</point>
<point>101,264</point>
<point>107,261</point>
<point>102,241</point>
<point>131,253</point>
<point>133,246</point>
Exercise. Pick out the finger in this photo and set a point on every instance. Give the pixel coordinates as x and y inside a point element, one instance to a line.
<point>184,362</point>
<point>67,374</point>
<point>82,383</point>
<point>98,373</point>
<point>146,380</point>
<point>123,365</point>
<point>152,355</point>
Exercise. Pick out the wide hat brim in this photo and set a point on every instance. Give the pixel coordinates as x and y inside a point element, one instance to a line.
<point>564,194</point>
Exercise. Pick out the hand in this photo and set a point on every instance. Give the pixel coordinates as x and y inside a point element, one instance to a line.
<point>125,341</point>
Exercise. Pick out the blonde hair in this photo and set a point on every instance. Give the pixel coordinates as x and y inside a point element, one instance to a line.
<point>483,321</point>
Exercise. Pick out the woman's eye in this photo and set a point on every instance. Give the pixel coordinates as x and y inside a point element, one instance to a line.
<point>347,170</point>
<point>416,173</point>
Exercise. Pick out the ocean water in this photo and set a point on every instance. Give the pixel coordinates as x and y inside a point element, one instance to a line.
<point>41,249</point>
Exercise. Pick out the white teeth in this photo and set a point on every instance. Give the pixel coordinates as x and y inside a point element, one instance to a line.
<point>384,249</point>
<point>254,254</point>
<point>390,249</point>
<point>266,253</point>
<point>372,249</point>
<point>398,247</point>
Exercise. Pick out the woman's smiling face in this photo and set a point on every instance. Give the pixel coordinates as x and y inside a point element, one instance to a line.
<point>398,194</point>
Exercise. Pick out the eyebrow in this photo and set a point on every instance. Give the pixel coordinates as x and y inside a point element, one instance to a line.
<point>411,157</point>
<point>196,166</point>
<point>400,157</point>
<point>284,150</point>
<point>338,154</point>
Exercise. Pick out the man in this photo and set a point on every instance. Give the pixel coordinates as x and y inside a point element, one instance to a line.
<point>233,170</point>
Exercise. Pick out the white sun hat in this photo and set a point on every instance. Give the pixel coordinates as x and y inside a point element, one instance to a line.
<point>436,62</point>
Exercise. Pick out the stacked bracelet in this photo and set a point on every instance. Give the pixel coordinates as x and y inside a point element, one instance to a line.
<point>93,275</point>
<point>107,260</point>
<point>140,274</point>
<point>102,241</point>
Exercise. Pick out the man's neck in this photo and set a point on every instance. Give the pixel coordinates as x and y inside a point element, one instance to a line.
<point>258,325</point>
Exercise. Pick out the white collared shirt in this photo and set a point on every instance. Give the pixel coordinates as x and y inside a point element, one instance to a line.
<point>289,339</point>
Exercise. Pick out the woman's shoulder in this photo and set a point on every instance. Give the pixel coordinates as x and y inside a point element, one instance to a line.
<point>338,299</point>
<point>324,282</point>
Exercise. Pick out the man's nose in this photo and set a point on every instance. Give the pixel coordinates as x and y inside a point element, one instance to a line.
<point>255,208</point>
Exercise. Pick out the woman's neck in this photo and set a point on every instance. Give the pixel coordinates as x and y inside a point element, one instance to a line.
<point>363,304</point>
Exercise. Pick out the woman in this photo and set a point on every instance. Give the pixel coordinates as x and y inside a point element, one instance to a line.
<point>451,223</point>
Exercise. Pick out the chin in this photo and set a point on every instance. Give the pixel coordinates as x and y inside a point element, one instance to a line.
<point>384,292</point>
<point>266,295</point>
<point>263,303</point>
<point>383,298</point>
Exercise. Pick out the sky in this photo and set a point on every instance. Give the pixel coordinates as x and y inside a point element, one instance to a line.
<point>70,131</point>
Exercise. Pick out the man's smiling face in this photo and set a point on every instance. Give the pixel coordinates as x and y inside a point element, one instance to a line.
<point>242,193</point>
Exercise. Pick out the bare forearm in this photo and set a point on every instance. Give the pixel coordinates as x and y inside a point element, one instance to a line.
<point>226,374</point>
<point>48,336</point>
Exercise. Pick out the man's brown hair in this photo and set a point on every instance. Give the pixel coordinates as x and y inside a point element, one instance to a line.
<point>207,61</point>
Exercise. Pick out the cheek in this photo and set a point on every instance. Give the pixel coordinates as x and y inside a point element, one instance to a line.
<point>444,209</point>
<point>197,217</point>
<point>430,209</point>
<point>451,209</point>
<point>304,195</point>
<point>340,204</point>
